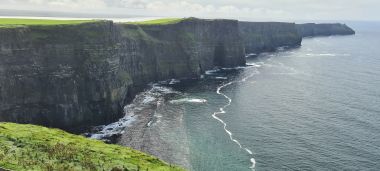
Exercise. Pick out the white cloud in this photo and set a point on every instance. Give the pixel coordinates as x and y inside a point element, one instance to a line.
<point>239,9</point>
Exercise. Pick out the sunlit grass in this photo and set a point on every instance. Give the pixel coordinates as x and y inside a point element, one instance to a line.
<point>161,21</point>
<point>14,22</point>
<point>30,147</point>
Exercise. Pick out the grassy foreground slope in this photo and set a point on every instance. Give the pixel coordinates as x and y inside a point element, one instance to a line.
<point>30,147</point>
<point>13,22</point>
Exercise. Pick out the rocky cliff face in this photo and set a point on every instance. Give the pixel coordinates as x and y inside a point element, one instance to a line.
<point>61,75</point>
<point>312,29</point>
<point>268,36</point>
<point>76,75</point>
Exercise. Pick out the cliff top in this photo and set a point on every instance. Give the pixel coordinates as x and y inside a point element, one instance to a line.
<point>16,22</point>
<point>39,148</point>
<point>161,21</point>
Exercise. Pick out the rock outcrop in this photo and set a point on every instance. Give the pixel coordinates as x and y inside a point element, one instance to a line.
<point>312,29</point>
<point>68,76</point>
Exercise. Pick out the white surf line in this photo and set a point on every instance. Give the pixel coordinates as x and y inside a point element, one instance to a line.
<point>222,111</point>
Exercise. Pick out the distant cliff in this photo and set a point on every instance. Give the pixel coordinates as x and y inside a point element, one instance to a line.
<point>268,36</point>
<point>312,29</point>
<point>84,74</point>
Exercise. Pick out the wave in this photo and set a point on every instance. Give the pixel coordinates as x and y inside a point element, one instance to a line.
<point>235,68</point>
<point>144,99</point>
<point>251,55</point>
<point>212,72</point>
<point>221,78</point>
<point>321,54</point>
<point>222,111</point>
<point>248,65</point>
<point>327,54</point>
<point>168,82</point>
<point>188,100</point>
<point>282,48</point>
<point>255,64</point>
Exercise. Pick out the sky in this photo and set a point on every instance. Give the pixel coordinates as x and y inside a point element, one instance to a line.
<point>255,10</point>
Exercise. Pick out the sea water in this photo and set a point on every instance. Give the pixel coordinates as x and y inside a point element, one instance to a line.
<point>316,107</point>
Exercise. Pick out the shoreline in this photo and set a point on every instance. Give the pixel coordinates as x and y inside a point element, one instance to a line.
<point>152,124</point>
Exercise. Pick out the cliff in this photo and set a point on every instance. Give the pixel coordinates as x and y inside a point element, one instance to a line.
<point>60,75</point>
<point>312,29</point>
<point>28,147</point>
<point>76,75</point>
<point>268,36</point>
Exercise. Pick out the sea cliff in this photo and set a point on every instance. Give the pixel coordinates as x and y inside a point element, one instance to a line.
<point>268,36</point>
<point>75,75</point>
<point>312,29</point>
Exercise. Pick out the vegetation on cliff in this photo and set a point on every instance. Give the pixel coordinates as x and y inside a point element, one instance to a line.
<point>29,147</point>
<point>161,21</point>
<point>15,22</point>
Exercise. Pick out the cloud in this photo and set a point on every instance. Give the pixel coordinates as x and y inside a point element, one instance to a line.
<point>188,8</point>
<point>238,9</point>
<point>57,4</point>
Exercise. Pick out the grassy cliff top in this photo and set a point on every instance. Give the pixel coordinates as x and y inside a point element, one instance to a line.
<point>161,21</point>
<point>29,147</point>
<point>14,22</point>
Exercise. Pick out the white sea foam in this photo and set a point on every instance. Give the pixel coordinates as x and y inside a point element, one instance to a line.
<point>152,96</point>
<point>149,123</point>
<point>221,78</point>
<point>235,68</point>
<point>257,64</point>
<point>250,55</point>
<point>248,150</point>
<point>148,99</point>
<point>282,48</point>
<point>222,111</point>
<point>212,72</point>
<point>253,161</point>
<point>321,54</point>
<point>188,100</point>
<point>167,82</point>
<point>114,128</point>
<point>327,54</point>
<point>174,81</point>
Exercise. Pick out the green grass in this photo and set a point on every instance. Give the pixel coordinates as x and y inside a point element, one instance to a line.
<point>30,147</point>
<point>14,22</point>
<point>162,21</point>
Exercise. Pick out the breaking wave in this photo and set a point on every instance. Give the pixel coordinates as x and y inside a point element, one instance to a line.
<point>187,100</point>
<point>222,111</point>
<point>145,99</point>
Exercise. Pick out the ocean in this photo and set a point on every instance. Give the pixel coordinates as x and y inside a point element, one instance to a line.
<point>316,107</point>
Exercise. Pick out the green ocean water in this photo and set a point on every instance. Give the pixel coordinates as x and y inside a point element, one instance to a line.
<point>316,107</point>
